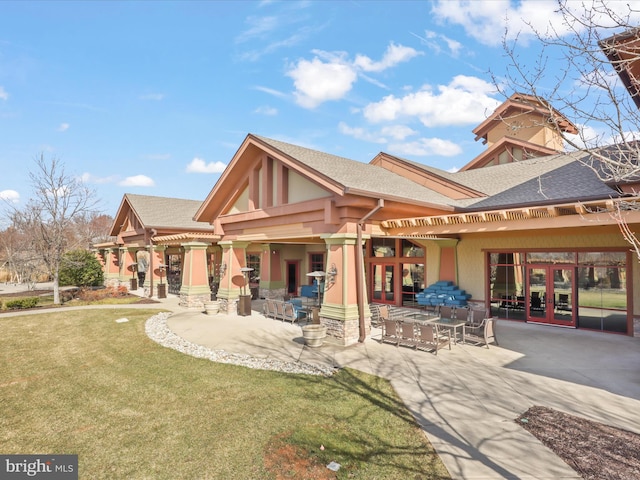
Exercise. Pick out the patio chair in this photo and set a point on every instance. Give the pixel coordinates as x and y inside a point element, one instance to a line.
<point>376,317</point>
<point>270,308</point>
<point>431,338</point>
<point>563,302</point>
<point>482,334</point>
<point>446,311</point>
<point>289,313</point>
<point>279,304</point>
<point>475,317</point>
<point>408,334</point>
<point>390,332</point>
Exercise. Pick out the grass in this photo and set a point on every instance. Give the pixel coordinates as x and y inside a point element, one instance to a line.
<point>78,382</point>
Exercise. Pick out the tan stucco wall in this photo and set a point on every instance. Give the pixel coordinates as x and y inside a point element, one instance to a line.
<point>301,189</point>
<point>471,268</point>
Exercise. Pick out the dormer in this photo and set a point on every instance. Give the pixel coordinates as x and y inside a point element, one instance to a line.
<point>520,128</point>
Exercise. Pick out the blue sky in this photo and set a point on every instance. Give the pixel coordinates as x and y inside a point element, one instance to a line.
<point>154,98</point>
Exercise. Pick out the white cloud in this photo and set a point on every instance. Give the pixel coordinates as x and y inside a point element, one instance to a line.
<point>360,133</point>
<point>398,132</point>
<point>137,181</point>
<point>3,94</point>
<point>464,101</point>
<point>270,91</point>
<point>317,81</point>
<point>331,75</point>
<point>486,20</point>
<point>63,127</point>
<point>394,55</point>
<point>426,147</point>
<point>198,165</point>
<point>10,196</point>
<point>266,110</point>
<point>90,178</point>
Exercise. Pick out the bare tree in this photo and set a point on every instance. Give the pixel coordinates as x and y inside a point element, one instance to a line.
<point>48,219</point>
<point>585,70</point>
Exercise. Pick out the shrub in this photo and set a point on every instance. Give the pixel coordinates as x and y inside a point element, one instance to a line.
<point>20,303</point>
<point>89,295</point>
<point>80,268</point>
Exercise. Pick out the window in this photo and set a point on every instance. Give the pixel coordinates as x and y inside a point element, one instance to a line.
<point>410,249</point>
<point>316,264</point>
<point>253,261</point>
<point>383,247</point>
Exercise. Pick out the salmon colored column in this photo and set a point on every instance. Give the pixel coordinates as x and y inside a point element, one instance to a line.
<point>448,261</point>
<point>195,288</point>
<point>234,257</point>
<point>339,310</point>
<point>111,266</point>
<point>128,256</point>
<point>158,259</point>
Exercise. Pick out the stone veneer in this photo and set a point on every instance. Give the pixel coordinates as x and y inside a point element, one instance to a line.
<point>194,301</point>
<point>636,326</point>
<point>344,332</point>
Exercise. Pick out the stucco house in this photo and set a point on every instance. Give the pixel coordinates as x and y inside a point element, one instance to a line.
<point>523,228</point>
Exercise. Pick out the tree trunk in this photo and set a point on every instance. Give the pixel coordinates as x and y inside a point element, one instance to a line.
<point>56,288</point>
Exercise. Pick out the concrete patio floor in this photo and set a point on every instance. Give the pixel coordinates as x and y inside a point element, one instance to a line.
<point>466,399</point>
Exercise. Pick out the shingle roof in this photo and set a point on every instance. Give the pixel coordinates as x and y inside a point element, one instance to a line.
<point>354,175</point>
<point>164,212</point>
<point>540,180</point>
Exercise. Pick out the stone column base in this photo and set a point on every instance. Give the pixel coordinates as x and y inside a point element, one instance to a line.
<point>344,332</point>
<point>194,301</point>
<point>636,326</point>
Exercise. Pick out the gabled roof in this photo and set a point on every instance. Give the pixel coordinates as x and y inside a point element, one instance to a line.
<point>161,213</point>
<point>501,145</point>
<point>622,51</point>
<point>357,177</point>
<point>519,103</point>
<point>340,175</point>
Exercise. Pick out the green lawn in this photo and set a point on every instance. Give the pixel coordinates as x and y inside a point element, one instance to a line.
<point>78,382</point>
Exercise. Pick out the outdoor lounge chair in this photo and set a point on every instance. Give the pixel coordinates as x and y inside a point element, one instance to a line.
<point>482,334</point>
<point>431,338</point>
<point>390,332</point>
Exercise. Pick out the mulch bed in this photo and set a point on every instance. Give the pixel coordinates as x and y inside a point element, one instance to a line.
<point>594,450</point>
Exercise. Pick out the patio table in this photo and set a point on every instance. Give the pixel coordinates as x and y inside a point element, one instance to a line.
<point>450,323</point>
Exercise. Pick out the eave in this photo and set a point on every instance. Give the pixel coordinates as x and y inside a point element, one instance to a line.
<point>528,218</point>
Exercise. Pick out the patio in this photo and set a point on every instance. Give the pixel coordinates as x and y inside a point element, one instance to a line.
<point>466,399</point>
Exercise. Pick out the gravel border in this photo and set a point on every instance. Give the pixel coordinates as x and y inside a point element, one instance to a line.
<point>157,330</point>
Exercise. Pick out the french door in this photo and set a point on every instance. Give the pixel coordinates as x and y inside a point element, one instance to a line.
<point>383,282</point>
<point>551,290</point>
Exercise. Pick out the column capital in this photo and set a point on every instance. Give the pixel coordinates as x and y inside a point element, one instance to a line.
<point>340,238</point>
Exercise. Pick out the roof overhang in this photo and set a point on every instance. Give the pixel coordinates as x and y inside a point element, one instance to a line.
<point>523,218</point>
<point>179,238</point>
